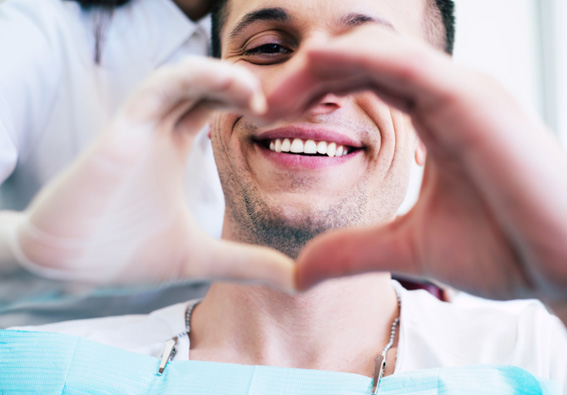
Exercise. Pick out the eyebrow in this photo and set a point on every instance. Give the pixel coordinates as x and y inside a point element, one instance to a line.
<point>280,15</point>
<point>353,20</point>
<point>265,14</point>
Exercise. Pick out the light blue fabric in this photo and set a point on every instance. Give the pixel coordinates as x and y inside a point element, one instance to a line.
<point>49,363</point>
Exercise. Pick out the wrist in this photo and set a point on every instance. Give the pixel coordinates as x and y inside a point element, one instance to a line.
<point>559,310</point>
<point>9,221</point>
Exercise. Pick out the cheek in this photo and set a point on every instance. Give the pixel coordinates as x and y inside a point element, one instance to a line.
<point>221,128</point>
<point>226,142</point>
<point>396,136</point>
<point>396,146</point>
<point>220,137</point>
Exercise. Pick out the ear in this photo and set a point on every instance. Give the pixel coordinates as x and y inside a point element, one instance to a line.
<point>420,150</point>
<point>209,133</point>
<point>420,153</point>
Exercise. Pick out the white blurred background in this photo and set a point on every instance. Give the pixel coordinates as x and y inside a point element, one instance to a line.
<point>521,43</point>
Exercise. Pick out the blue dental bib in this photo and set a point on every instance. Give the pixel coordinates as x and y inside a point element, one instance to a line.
<point>51,363</point>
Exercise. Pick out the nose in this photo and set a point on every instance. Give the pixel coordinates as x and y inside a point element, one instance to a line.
<point>327,105</point>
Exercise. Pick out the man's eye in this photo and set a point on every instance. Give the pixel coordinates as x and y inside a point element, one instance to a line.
<point>267,49</point>
<point>267,54</point>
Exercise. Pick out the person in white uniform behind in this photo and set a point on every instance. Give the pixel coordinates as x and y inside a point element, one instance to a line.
<point>330,162</point>
<point>67,68</point>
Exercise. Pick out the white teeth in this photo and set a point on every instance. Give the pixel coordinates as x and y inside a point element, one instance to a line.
<point>310,147</point>
<point>331,149</point>
<point>286,145</point>
<point>296,146</point>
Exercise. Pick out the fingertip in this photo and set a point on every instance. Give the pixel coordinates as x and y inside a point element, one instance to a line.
<point>302,278</point>
<point>252,264</point>
<point>258,103</point>
<point>347,252</point>
<point>315,263</point>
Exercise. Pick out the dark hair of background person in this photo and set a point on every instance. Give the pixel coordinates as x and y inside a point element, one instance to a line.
<point>439,24</point>
<point>101,3</point>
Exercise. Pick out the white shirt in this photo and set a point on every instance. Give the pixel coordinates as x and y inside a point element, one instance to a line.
<point>54,100</point>
<point>432,334</point>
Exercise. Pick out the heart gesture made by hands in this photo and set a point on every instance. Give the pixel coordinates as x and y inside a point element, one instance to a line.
<point>491,218</point>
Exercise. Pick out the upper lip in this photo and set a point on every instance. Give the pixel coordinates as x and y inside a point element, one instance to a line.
<point>315,133</point>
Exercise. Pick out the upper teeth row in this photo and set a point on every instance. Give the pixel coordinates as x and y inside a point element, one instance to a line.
<point>298,146</point>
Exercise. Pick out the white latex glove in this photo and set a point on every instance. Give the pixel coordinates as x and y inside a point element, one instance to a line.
<point>119,215</point>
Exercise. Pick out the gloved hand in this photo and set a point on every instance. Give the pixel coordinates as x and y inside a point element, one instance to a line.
<point>118,214</point>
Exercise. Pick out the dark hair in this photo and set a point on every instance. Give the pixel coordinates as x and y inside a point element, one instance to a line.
<point>445,10</point>
<point>218,18</point>
<point>101,3</point>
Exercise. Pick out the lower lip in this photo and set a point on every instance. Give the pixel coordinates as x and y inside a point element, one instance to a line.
<point>305,161</point>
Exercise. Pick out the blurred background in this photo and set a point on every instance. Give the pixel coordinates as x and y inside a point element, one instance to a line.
<point>522,43</point>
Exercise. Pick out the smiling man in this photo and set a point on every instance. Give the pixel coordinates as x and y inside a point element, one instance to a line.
<point>328,162</point>
<point>344,162</point>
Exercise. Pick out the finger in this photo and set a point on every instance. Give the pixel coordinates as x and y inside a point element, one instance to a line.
<point>355,251</point>
<point>224,260</point>
<point>192,81</point>
<point>407,72</point>
<point>393,63</point>
<point>199,115</point>
<point>307,90</point>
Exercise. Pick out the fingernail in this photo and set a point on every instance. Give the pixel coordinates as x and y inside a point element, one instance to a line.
<point>258,103</point>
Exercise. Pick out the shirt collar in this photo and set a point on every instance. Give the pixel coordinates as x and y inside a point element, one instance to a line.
<point>174,26</point>
<point>152,33</point>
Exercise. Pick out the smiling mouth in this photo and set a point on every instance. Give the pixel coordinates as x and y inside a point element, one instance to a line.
<point>296,146</point>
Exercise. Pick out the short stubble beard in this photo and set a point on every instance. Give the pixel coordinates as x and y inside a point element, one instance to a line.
<point>254,221</point>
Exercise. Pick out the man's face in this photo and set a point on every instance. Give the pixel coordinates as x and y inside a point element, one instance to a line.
<point>282,199</point>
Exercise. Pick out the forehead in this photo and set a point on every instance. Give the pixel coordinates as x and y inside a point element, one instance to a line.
<point>404,16</point>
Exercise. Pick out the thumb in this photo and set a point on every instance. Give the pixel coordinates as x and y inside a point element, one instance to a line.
<point>246,263</point>
<point>356,251</point>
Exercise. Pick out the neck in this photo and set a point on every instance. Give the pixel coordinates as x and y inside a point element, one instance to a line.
<point>195,9</point>
<point>340,325</point>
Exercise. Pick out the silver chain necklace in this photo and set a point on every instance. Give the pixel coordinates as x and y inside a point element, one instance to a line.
<point>379,362</point>
<point>169,350</point>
